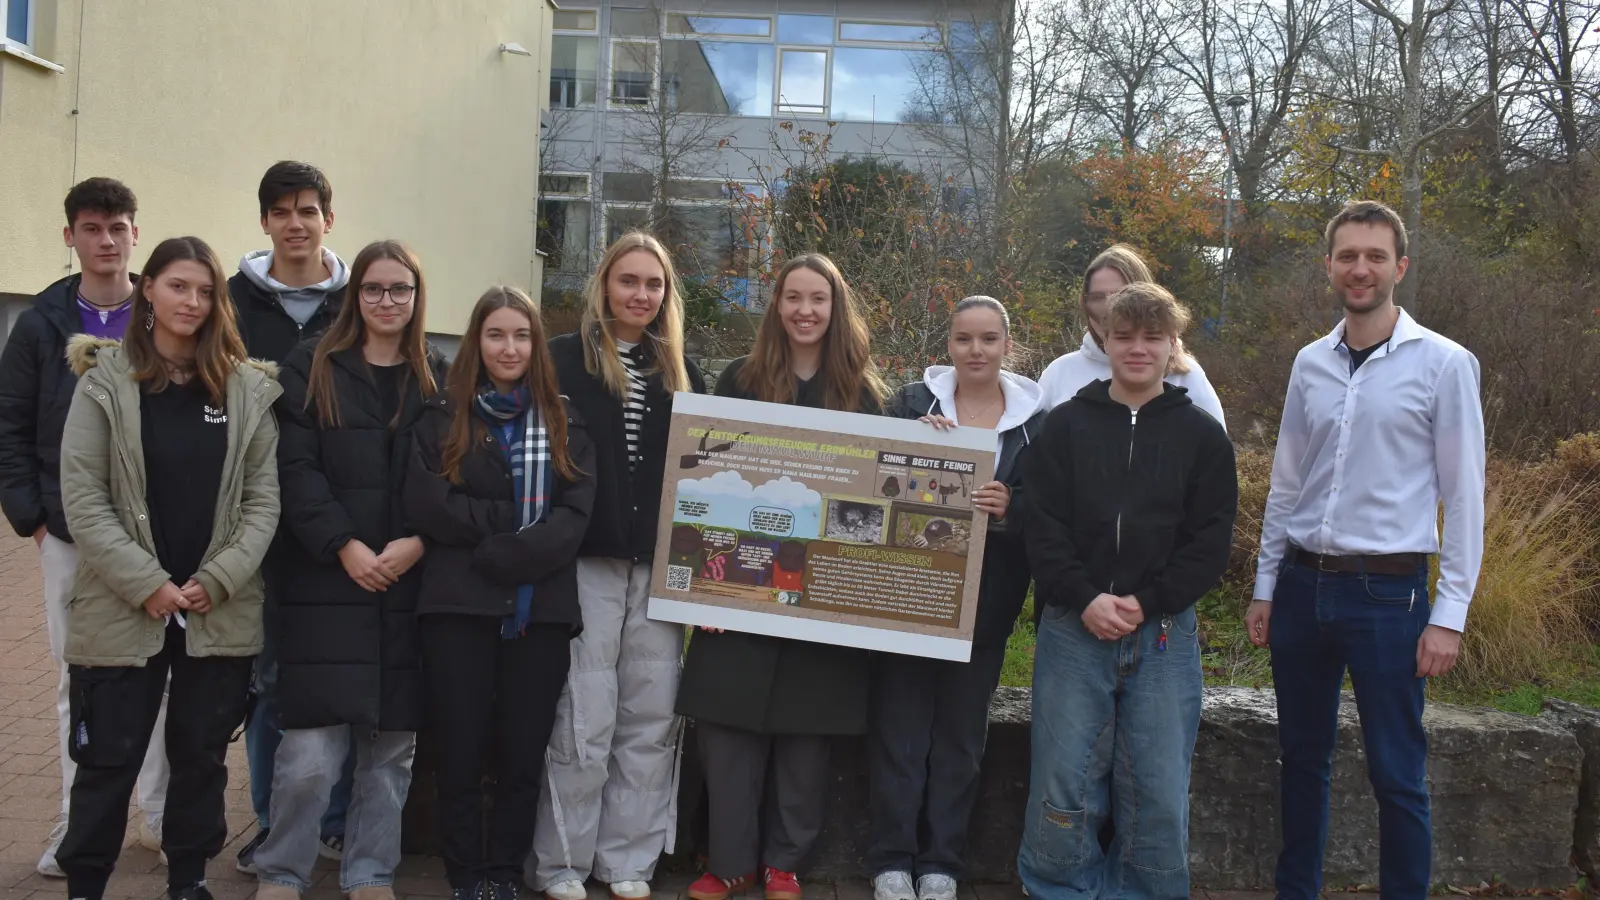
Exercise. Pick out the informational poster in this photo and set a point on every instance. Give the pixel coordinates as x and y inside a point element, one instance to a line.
<point>822,526</point>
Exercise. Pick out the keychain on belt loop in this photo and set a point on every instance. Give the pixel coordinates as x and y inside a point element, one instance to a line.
<point>1161,642</point>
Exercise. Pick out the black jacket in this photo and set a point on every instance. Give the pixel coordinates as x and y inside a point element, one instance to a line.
<point>269,332</point>
<point>345,655</point>
<point>1130,504</point>
<point>35,391</point>
<point>774,685</point>
<point>626,504</point>
<point>476,556</point>
<point>1003,586</point>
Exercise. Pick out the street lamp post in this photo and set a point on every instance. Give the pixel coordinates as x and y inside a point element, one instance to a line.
<point>1236,103</point>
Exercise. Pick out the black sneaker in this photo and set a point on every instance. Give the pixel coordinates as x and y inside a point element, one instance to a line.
<point>476,892</point>
<point>502,890</point>
<point>247,853</point>
<point>192,892</point>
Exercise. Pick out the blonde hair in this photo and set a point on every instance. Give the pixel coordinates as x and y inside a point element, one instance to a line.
<point>664,334</point>
<point>1151,307</point>
<point>1130,264</point>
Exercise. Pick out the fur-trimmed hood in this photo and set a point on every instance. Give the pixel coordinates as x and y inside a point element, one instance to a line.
<point>83,354</point>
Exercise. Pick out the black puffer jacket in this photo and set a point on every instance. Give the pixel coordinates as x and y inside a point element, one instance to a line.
<point>268,331</point>
<point>35,391</point>
<point>476,556</point>
<point>772,685</point>
<point>1124,503</point>
<point>1004,584</point>
<point>627,503</point>
<point>345,655</point>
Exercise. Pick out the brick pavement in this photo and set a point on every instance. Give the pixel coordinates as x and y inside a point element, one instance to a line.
<point>30,784</point>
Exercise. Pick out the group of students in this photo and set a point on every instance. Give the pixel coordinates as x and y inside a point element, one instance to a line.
<point>291,513</point>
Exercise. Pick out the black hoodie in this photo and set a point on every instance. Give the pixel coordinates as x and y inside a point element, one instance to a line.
<point>1129,501</point>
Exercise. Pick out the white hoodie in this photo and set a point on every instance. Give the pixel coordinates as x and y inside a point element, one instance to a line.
<point>1022,395</point>
<point>1069,374</point>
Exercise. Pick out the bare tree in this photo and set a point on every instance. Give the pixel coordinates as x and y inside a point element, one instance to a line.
<point>1129,88</point>
<point>1556,80</point>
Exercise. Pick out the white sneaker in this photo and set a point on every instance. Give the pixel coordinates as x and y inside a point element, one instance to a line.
<point>150,836</point>
<point>936,887</point>
<point>893,885</point>
<point>630,890</point>
<point>571,889</point>
<point>48,867</point>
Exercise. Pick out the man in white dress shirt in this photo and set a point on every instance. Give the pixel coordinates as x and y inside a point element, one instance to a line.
<point>1381,425</point>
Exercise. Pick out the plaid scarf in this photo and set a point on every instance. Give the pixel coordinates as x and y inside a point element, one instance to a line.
<point>528,453</point>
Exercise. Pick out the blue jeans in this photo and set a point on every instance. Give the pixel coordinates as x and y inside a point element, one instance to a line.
<point>1111,719</point>
<point>261,740</point>
<point>1323,624</point>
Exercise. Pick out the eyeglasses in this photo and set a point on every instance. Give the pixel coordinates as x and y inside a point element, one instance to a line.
<point>400,294</point>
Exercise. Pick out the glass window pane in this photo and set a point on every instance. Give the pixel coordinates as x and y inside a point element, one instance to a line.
<point>719,77</point>
<point>633,72</point>
<point>685,189</point>
<point>17,20</point>
<point>634,23</point>
<point>680,23</point>
<point>564,234</point>
<point>575,20</point>
<point>622,219</point>
<point>805,29</point>
<point>573,63</point>
<point>564,184</point>
<point>881,85</point>
<point>630,187</point>
<point>899,34</point>
<point>805,80</point>
<point>705,240</point>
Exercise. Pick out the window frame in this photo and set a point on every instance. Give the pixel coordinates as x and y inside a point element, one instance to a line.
<point>584,194</point>
<point>587,253</point>
<point>557,29</point>
<point>937,28</point>
<point>791,109</point>
<point>575,82</point>
<point>612,102</point>
<point>30,27</point>
<point>606,207</point>
<point>762,110</point>
<point>668,34</point>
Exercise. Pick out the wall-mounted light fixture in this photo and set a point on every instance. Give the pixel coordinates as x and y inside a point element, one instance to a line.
<point>515,49</point>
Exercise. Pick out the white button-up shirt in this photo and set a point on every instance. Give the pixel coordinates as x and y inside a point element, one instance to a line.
<point>1365,459</point>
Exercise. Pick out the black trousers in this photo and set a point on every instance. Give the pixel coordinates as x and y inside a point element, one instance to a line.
<point>767,794</point>
<point>114,711</point>
<point>491,702</point>
<point>930,721</point>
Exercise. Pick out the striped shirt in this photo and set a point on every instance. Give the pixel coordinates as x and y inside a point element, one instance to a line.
<point>633,406</point>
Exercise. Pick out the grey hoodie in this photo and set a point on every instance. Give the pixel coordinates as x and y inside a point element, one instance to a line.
<point>300,303</point>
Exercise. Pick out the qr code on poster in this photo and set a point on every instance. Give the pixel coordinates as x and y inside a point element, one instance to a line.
<point>678,578</point>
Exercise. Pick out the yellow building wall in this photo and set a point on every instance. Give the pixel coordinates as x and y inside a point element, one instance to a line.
<point>428,133</point>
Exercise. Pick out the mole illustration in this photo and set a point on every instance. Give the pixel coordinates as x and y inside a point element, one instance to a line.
<point>891,486</point>
<point>936,529</point>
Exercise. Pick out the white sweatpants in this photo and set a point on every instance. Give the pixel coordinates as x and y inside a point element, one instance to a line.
<point>609,800</point>
<point>59,562</point>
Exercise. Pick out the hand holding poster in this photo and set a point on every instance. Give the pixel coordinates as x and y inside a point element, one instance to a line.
<point>822,526</point>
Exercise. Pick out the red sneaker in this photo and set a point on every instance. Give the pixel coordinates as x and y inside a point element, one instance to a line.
<point>781,885</point>
<point>710,887</point>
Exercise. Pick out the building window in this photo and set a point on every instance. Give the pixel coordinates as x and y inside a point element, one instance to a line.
<point>575,20</point>
<point>796,29</point>
<point>629,187</point>
<point>717,77</point>
<point>803,81</point>
<point>635,23</point>
<point>574,60</point>
<point>883,33</point>
<point>720,26</point>
<point>570,185</point>
<point>633,72</point>
<point>564,233</point>
<point>18,16</point>
<point>622,219</point>
<point>882,85</point>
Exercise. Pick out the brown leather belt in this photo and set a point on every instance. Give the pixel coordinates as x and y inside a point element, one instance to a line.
<point>1376,564</point>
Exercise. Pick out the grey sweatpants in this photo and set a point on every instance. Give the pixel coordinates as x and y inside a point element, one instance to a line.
<point>608,807</point>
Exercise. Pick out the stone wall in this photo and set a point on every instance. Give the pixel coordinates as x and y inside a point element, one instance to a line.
<point>1514,798</point>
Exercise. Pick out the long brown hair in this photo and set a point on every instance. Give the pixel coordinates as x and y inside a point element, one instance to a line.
<point>467,375</point>
<point>1131,265</point>
<point>218,348</point>
<point>350,330</point>
<point>847,368</point>
<point>664,334</point>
